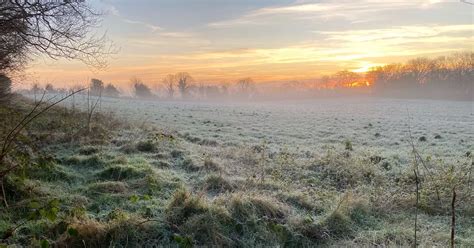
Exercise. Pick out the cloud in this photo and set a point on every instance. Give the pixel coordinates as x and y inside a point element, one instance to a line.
<point>110,9</point>
<point>350,10</point>
<point>335,50</point>
<point>152,27</point>
<point>399,33</point>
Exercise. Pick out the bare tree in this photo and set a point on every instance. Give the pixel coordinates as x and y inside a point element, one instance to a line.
<point>57,29</point>
<point>346,78</point>
<point>96,87</point>
<point>245,86</point>
<point>49,88</point>
<point>183,80</point>
<point>169,83</point>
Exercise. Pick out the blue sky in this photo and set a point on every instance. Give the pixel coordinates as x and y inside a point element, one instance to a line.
<point>223,40</point>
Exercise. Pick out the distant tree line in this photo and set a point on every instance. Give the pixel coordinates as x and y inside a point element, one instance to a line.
<point>443,77</point>
<point>96,88</point>
<point>447,77</point>
<point>184,87</point>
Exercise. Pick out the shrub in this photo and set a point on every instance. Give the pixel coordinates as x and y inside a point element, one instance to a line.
<point>141,90</point>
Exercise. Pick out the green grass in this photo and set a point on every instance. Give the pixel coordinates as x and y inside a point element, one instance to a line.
<point>119,185</point>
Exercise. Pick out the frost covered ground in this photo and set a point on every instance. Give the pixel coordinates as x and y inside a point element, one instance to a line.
<point>375,125</point>
<point>335,172</point>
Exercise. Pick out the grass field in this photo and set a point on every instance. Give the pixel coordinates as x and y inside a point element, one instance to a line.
<point>298,174</point>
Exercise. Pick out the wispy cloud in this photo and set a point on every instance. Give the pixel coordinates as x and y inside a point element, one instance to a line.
<point>110,9</point>
<point>351,10</point>
<point>152,27</point>
<point>349,49</point>
<point>408,33</point>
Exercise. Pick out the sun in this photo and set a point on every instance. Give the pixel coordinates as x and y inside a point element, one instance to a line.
<point>365,67</point>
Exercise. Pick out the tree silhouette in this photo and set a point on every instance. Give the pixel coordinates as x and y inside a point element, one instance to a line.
<point>57,29</point>
<point>111,91</point>
<point>183,80</point>
<point>96,87</point>
<point>169,83</point>
<point>245,86</point>
<point>141,89</point>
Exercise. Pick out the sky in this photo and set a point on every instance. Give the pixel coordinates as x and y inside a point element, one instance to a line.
<point>220,41</point>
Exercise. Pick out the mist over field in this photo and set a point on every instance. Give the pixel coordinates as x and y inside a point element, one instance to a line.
<point>277,123</point>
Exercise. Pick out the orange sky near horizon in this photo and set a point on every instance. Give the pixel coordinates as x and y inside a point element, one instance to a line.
<point>280,40</point>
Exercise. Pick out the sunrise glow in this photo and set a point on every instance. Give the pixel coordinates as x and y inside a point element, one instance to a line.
<point>271,41</point>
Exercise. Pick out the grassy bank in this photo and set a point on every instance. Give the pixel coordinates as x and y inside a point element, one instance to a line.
<point>111,183</point>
